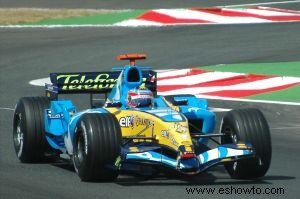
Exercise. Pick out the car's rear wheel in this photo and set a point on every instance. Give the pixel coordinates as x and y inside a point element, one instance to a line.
<point>97,145</point>
<point>29,130</point>
<point>248,126</point>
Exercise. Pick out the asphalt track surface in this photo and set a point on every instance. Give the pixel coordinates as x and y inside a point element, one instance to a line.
<point>27,54</point>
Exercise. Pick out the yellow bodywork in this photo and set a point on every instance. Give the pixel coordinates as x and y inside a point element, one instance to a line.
<point>143,126</point>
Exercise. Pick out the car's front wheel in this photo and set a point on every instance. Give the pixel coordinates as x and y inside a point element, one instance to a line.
<point>97,145</point>
<point>248,126</point>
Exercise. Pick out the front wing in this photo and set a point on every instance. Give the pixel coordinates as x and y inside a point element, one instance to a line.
<point>203,161</point>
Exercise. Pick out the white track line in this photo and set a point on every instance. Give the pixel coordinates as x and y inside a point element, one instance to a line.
<point>7,109</point>
<point>40,82</point>
<point>262,12</point>
<point>257,4</point>
<point>279,10</point>
<point>197,79</point>
<point>137,22</point>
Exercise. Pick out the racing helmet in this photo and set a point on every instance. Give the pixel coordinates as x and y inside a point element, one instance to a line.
<point>139,98</point>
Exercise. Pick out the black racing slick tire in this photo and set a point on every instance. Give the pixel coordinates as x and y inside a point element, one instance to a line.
<point>97,145</point>
<point>248,126</point>
<point>29,130</point>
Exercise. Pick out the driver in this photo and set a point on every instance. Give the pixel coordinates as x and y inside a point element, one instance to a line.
<point>139,98</point>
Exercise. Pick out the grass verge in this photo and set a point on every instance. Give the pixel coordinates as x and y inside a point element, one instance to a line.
<point>291,69</point>
<point>286,95</point>
<point>13,16</point>
<point>102,19</point>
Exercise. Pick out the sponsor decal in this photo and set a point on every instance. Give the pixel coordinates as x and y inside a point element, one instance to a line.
<point>126,121</point>
<point>85,82</point>
<point>184,136</point>
<point>179,128</point>
<point>137,136</point>
<point>173,141</point>
<point>133,149</point>
<point>143,121</point>
<point>56,116</point>
<point>165,133</point>
<point>93,81</point>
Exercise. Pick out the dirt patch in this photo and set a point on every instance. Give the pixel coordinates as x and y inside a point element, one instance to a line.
<point>11,16</point>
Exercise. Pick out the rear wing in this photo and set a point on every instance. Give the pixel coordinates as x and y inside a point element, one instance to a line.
<point>92,82</point>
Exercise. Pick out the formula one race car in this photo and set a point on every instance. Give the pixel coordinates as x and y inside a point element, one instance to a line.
<point>132,127</point>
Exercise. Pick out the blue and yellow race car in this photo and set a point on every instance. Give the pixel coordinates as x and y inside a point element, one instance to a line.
<point>129,127</point>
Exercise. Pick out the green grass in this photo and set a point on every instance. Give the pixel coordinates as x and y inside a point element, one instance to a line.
<point>279,68</point>
<point>287,95</point>
<point>103,19</point>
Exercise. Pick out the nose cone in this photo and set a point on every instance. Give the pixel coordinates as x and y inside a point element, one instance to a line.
<point>189,166</point>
